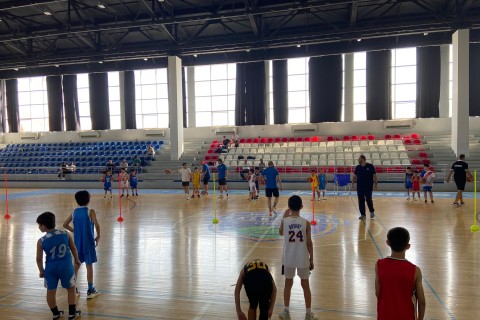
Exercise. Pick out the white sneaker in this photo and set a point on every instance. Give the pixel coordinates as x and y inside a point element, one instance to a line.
<point>311,316</point>
<point>284,315</point>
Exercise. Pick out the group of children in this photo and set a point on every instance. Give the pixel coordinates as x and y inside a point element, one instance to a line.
<point>126,180</point>
<point>413,179</point>
<point>59,248</point>
<point>398,282</point>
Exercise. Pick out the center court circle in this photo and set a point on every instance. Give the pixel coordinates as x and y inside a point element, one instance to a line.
<point>261,227</point>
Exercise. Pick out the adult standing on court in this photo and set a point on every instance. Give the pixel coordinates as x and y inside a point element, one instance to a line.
<point>273,181</point>
<point>222,177</point>
<point>366,178</point>
<point>460,172</point>
<point>205,177</point>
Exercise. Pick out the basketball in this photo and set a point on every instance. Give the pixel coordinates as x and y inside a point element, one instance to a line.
<point>168,171</point>
<point>469,179</point>
<point>102,179</point>
<point>424,180</point>
<point>309,179</point>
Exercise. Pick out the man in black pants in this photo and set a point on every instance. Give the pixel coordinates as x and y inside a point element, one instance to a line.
<point>366,179</point>
<point>460,172</point>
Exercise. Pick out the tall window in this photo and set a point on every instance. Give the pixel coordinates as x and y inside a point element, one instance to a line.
<point>114,99</point>
<point>298,91</point>
<point>404,79</point>
<point>33,104</point>
<point>84,101</point>
<point>215,95</point>
<point>151,98</point>
<point>360,86</point>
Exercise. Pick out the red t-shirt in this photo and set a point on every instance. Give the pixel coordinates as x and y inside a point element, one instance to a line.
<point>416,183</point>
<point>396,280</point>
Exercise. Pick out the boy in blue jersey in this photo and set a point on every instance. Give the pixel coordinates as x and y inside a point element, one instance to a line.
<point>84,221</point>
<point>58,247</point>
<point>322,183</point>
<point>107,180</point>
<point>273,181</point>
<point>134,182</point>
<point>222,177</point>
<point>205,177</point>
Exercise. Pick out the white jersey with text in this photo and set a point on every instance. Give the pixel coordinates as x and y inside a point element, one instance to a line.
<point>295,252</point>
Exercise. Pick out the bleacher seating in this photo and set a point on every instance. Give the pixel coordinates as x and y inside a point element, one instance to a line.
<point>335,154</point>
<point>83,154</point>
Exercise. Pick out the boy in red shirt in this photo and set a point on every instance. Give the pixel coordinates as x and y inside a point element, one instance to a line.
<point>416,185</point>
<point>398,282</point>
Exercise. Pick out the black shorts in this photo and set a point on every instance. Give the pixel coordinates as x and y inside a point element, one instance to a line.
<point>205,179</point>
<point>460,184</point>
<point>272,191</point>
<point>259,291</point>
<point>222,182</point>
<point>185,183</point>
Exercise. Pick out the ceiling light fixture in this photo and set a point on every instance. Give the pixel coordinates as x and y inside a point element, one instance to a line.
<point>248,50</point>
<point>195,55</point>
<point>16,69</point>
<point>298,46</point>
<point>100,62</point>
<point>145,59</point>
<point>359,39</point>
<point>101,6</point>
<point>57,66</point>
<point>47,13</point>
<point>425,33</point>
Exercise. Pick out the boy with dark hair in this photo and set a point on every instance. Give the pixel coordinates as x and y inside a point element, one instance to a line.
<point>84,221</point>
<point>59,248</point>
<point>460,175</point>
<point>398,282</point>
<point>107,180</point>
<point>260,288</point>
<point>297,255</point>
<point>134,182</point>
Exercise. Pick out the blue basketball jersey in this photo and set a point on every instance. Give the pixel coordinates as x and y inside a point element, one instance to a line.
<point>108,182</point>
<point>322,181</point>
<point>83,230</point>
<point>133,181</point>
<point>55,245</point>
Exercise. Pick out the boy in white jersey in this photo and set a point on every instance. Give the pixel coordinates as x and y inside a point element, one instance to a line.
<point>297,255</point>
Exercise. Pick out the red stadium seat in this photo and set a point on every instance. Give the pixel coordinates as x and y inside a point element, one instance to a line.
<point>215,142</point>
<point>363,138</point>
<point>340,170</point>
<point>388,136</point>
<point>278,139</point>
<point>426,161</point>
<point>415,161</point>
<point>238,169</point>
<point>331,170</point>
<point>417,141</point>
<point>330,138</point>
<point>284,140</point>
<point>299,139</point>
<point>315,139</point>
<point>354,138</point>
<point>406,136</point>
<point>256,140</point>
<point>292,139</point>
<point>346,138</point>
<point>371,137</point>
<point>397,137</point>
<point>242,140</point>
<point>207,158</point>
<point>379,169</point>
<point>307,139</point>
<point>210,151</point>
<point>415,136</point>
<point>306,170</point>
<point>270,140</point>
<point>407,141</point>
<point>281,169</point>
<point>399,169</point>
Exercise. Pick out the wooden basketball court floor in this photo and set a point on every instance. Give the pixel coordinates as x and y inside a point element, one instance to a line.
<point>168,261</point>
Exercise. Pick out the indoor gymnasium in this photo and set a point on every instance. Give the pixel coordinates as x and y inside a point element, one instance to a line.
<point>199,155</point>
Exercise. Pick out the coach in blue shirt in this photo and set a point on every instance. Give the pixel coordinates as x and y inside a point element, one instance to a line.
<point>272,177</point>
<point>366,179</point>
